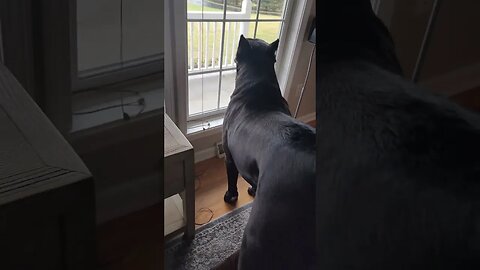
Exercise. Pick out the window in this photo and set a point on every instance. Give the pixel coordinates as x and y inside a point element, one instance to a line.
<point>213,31</point>
<point>118,61</point>
<point>117,40</point>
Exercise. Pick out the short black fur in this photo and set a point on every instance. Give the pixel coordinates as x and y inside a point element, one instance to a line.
<point>276,154</point>
<point>398,167</point>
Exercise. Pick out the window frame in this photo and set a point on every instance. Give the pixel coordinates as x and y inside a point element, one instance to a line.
<point>118,76</point>
<point>39,42</point>
<point>176,58</point>
<point>204,115</point>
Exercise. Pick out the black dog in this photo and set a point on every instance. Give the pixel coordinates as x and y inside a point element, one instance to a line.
<point>276,154</point>
<point>398,167</point>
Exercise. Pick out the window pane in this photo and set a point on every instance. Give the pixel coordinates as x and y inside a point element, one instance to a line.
<point>228,85</point>
<point>143,29</point>
<point>271,9</point>
<point>205,46</point>
<point>204,41</point>
<point>202,92</point>
<point>204,5</point>
<point>115,34</point>
<point>268,31</point>
<point>98,33</point>
<point>233,30</point>
<point>240,9</point>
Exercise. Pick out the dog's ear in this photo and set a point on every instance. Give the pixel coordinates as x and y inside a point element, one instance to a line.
<point>243,46</point>
<point>273,46</point>
<point>345,20</point>
<point>348,11</point>
<point>360,5</point>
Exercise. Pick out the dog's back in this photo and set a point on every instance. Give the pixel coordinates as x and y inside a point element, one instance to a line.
<point>266,144</point>
<point>398,168</point>
<point>281,228</point>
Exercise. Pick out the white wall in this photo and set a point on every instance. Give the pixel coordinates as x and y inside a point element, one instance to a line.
<point>455,38</point>
<point>307,107</point>
<point>452,61</point>
<point>407,21</point>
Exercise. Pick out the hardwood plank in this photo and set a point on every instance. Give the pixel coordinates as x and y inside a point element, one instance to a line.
<point>189,205</point>
<point>132,242</point>
<point>469,99</point>
<point>211,184</point>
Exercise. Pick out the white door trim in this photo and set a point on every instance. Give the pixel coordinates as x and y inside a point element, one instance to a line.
<point>294,35</point>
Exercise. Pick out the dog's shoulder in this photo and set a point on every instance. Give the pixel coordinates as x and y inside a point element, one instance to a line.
<point>398,117</point>
<point>257,97</point>
<point>299,135</point>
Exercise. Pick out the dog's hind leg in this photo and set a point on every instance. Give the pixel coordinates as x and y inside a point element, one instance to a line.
<point>253,189</point>
<point>231,195</point>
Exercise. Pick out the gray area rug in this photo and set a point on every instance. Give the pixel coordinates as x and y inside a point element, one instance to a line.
<point>213,243</point>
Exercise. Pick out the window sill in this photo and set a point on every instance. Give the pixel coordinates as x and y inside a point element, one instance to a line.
<point>206,125</point>
<point>152,95</point>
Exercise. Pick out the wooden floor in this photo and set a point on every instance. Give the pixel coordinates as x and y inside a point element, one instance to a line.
<point>132,242</point>
<point>469,99</point>
<point>135,241</point>
<point>210,186</point>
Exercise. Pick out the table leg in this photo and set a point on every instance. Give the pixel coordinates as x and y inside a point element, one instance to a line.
<point>189,201</point>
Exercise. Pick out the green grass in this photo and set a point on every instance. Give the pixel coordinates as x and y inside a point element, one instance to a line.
<point>193,7</point>
<point>267,31</point>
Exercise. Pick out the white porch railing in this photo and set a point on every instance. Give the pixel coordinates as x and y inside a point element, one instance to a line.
<point>204,34</point>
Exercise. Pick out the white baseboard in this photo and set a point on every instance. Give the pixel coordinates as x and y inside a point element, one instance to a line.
<point>205,154</point>
<point>307,117</point>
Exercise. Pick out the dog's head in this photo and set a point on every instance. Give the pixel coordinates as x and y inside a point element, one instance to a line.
<point>350,28</point>
<point>256,55</point>
<point>348,21</point>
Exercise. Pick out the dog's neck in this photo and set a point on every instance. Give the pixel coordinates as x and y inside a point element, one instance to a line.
<point>351,30</point>
<point>248,77</point>
<point>258,89</point>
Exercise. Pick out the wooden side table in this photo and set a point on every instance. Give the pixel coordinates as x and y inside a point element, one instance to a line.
<point>47,203</point>
<point>179,173</point>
